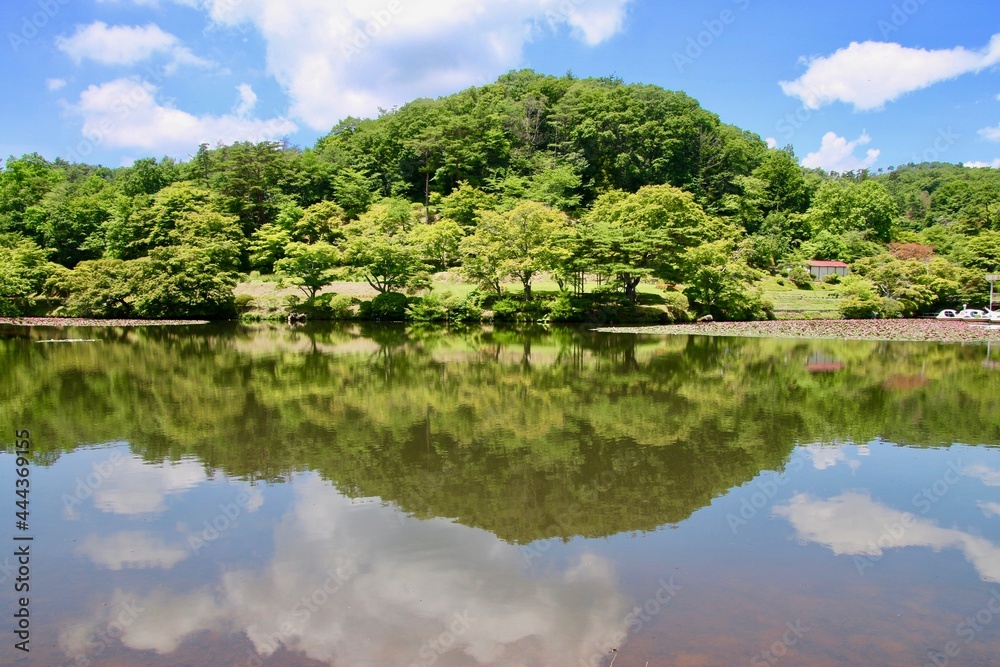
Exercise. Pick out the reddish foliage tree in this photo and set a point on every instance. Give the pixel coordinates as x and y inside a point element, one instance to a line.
<point>906,251</point>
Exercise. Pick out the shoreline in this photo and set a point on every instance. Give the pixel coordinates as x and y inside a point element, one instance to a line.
<point>914,331</point>
<point>92,322</point>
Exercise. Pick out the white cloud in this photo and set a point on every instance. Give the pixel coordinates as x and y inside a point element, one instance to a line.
<point>125,113</point>
<point>836,153</point>
<point>131,550</point>
<point>985,474</point>
<point>771,142</point>
<point>137,487</point>
<point>248,100</point>
<point>364,567</point>
<point>869,74</point>
<point>149,3</point>
<point>594,22</point>
<point>348,57</point>
<point>854,524</point>
<point>55,84</point>
<point>126,45</point>
<point>976,164</point>
<point>990,133</point>
<point>115,45</point>
<point>990,509</point>
<point>825,456</point>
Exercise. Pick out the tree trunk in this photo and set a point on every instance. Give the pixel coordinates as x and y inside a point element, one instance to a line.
<point>630,285</point>
<point>427,192</point>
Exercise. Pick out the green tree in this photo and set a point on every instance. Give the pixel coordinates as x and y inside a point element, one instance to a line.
<point>378,245</point>
<point>721,285</point>
<point>141,223</point>
<point>784,185</point>
<point>842,206</point>
<point>146,176</point>
<point>525,241</point>
<point>23,184</point>
<point>99,288</point>
<point>983,251</point>
<point>387,262</point>
<point>184,281</point>
<point>310,266</point>
<point>646,234</point>
<point>267,246</point>
<point>24,270</point>
<point>438,243</point>
<point>324,221</point>
<point>247,178</point>
<point>764,251</point>
<point>464,204</point>
<point>71,218</point>
<point>353,192</point>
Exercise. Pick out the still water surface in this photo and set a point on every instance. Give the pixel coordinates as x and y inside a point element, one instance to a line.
<point>347,496</point>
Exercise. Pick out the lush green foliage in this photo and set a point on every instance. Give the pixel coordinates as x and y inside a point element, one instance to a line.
<point>23,272</point>
<point>530,435</point>
<point>311,267</point>
<point>576,180</point>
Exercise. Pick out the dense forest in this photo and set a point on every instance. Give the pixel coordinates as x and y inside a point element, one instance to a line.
<point>596,185</point>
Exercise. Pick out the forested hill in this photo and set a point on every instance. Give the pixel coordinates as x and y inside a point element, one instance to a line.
<point>561,141</point>
<point>571,177</point>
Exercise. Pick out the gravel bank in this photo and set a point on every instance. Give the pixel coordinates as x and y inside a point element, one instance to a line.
<point>885,330</point>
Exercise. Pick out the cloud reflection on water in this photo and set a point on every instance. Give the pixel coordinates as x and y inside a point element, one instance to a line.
<point>853,524</point>
<point>397,592</point>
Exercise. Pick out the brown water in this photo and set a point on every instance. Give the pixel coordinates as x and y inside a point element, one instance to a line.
<point>347,496</point>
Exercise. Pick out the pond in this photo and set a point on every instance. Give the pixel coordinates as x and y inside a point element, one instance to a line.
<point>357,495</point>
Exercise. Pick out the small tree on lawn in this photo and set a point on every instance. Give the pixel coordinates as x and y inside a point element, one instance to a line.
<point>309,266</point>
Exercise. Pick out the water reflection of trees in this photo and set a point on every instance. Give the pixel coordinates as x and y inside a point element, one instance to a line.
<point>527,434</point>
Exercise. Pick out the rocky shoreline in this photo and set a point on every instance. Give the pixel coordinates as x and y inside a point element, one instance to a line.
<point>878,330</point>
<point>84,322</point>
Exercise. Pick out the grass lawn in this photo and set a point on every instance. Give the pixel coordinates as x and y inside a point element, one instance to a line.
<point>792,303</point>
<point>459,288</point>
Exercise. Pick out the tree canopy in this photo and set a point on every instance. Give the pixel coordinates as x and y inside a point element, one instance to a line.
<point>529,175</point>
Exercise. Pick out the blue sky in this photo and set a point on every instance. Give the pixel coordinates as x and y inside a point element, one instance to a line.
<point>851,84</point>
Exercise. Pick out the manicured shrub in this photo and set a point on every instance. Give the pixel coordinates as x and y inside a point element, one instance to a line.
<point>676,306</point>
<point>800,277</point>
<point>244,303</point>
<point>386,307</point>
<point>330,306</point>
